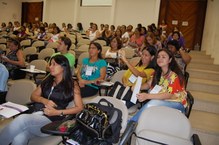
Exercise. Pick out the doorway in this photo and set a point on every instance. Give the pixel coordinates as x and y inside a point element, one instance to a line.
<point>32,12</point>
<point>188,16</point>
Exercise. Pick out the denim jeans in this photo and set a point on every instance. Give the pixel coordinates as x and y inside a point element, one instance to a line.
<point>23,128</point>
<point>175,105</point>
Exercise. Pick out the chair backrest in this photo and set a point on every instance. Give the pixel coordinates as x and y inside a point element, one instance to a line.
<point>25,43</point>
<point>29,50</point>
<point>117,104</point>
<point>118,76</point>
<point>39,64</point>
<point>82,56</point>
<point>129,52</point>
<point>101,42</point>
<point>186,76</point>
<point>134,61</point>
<point>38,43</point>
<point>83,41</point>
<point>52,45</point>
<point>83,47</point>
<point>47,52</point>
<point>20,91</point>
<point>165,125</point>
<point>190,102</point>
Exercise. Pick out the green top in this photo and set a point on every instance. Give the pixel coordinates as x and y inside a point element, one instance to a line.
<point>69,56</point>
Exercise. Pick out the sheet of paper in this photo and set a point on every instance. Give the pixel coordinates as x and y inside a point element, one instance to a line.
<point>156,89</point>
<point>10,109</point>
<point>136,90</point>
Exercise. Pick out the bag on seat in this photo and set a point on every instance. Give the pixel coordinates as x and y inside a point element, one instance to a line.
<point>98,124</point>
<point>121,92</point>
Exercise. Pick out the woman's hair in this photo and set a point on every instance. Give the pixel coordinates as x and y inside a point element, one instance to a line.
<point>174,43</point>
<point>119,42</point>
<point>177,33</point>
<point>66,41</point>
<point>152,50</point>
<point>15,42</point>
<point>152,36</point>
<point>67,82</point>
<point>99,47</point>
<point>173,66</point>
<point>80,27</point>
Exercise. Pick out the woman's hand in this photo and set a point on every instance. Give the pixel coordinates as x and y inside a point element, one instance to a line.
<point>4,58</point>
<point>142,97</point>
<point>50,111</point>
<point>50,104</point>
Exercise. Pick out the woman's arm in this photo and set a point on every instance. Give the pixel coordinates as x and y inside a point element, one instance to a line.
<point>78,104</point>
<point>185,56</point>
<point>36,97</point>
<point>131,67</point>
<point>20,61</point>
<point>160,96</point>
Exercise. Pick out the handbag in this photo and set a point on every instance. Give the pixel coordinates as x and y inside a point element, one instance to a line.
<point>120,91</point>
<point>98,124</point>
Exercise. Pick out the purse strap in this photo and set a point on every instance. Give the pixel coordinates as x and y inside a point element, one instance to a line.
<point>105,101</point>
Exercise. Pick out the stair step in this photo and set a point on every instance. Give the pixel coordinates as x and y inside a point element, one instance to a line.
<point>206,125</point>
<point>204,85</point>
<point>203,74</point>
<point>202,60</point>
<point>205,121</point>
<point>205,101</point>
<point>211,67</point>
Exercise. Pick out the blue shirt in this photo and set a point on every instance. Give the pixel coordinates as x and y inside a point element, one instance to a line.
<point>3,78</point>
<point>94,69</point>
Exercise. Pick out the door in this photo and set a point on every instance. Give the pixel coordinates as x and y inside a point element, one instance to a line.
<point>187,15</point>
<point>32,12</point>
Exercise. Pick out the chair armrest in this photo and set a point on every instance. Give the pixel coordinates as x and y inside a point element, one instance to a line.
<point>196,140</point>
<point>54,128</point>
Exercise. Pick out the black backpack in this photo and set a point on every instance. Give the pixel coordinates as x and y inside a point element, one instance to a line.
<point>98,124</point>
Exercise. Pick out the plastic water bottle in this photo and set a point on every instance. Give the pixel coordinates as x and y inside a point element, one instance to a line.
<point>197,47</point>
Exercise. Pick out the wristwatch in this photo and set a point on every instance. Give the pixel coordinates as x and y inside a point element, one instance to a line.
<point>62,114</point>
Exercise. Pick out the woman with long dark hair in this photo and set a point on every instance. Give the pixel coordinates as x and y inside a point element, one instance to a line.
<point>51,99</point>
<point>93,69</point>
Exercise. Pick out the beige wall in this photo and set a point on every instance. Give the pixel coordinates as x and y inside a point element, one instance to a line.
<point>10,10</point>
<point>121,12</point>
<point>211,31</point>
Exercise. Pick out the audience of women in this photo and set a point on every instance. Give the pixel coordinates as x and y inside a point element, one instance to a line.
<point>93,69</point>
<point>53,96</point>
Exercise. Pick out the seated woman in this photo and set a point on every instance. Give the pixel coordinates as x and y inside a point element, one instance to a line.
<point>136,41</point>
<point>14,60</point>
<point>112,57</point>
<point>181,56</point>
<point>53,95</point>
<point>169,83</point>
<point>150,40</point>
<point>93,33</point>
<point>93,69</point>
<point>144,69</point>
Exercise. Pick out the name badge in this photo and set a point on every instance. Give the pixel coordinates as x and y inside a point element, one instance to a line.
<point>132,78</point>
<point>89,70</point>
